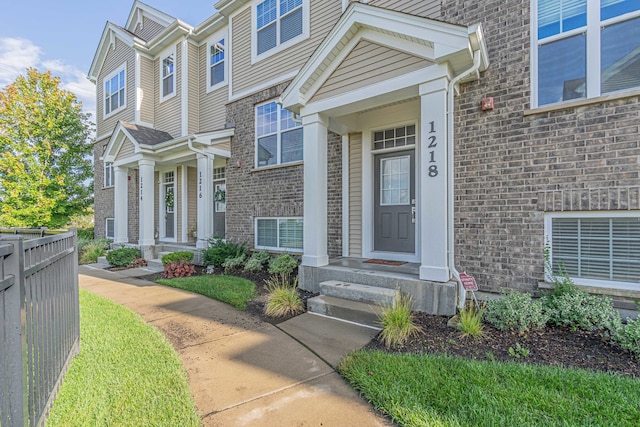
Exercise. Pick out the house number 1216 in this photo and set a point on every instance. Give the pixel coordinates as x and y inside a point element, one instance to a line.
<point>433,165</point>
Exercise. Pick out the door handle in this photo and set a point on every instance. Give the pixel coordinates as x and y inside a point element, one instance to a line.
<point>413,214</point>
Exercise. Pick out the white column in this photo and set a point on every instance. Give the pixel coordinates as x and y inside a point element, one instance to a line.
<point>205,199</point>
<point>147,202</point>
<point>315,191</point>
<point>121,204</point>
<point>433,178</point>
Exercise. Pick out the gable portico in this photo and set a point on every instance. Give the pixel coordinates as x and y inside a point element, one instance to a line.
<point>175,179</point>
<point>384,80</point>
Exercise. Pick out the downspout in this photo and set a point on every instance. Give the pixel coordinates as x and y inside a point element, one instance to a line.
<point>450,196</point>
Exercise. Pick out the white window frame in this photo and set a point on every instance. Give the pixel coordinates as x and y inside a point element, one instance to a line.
<point>210,42</point>
<point>106,228</point>
<point>279,47</point>
<point>107,78</point>
<point>548,232</point>
<point>109,178</point>
<point>593,51</point>
<point>278,134</point>
<point>171,52</point>
<point>277,248</point>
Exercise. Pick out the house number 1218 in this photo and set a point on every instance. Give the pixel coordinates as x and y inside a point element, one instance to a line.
<point>433,165</point>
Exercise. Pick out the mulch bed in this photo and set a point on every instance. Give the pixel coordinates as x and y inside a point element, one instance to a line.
<point>551,346</point>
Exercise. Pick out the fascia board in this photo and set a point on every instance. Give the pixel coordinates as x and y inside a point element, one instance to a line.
<point>209,27</point>
<point>168,36</point>
<point>227,7</point>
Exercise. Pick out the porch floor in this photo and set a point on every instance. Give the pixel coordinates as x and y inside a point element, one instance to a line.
<point>408,268</point>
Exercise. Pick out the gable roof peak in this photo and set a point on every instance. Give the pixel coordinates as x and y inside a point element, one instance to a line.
<point>140,9</point>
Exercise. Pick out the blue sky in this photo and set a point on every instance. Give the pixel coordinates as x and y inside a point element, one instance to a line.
<point>63,36</point>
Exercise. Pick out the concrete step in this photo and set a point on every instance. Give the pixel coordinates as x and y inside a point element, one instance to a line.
<point>362,293</point>
<point>102,260</point>
<point>353,311</point>
<point>156,263</point>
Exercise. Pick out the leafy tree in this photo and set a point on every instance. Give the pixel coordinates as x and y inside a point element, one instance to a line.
<point>45,164</point>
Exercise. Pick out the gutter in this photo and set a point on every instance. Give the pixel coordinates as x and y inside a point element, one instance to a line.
<point>477,56</point>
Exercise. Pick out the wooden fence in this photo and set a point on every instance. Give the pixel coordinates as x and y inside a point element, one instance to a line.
<point>40,330</point>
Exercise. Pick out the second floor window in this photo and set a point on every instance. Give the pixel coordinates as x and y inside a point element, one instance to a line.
<point>585,48</point>
<point>279,136</point>
<point>167,74</point>
<point>216,63</point>
<point>278,21</point>
<point>114,91</point>
<point>108,174</point>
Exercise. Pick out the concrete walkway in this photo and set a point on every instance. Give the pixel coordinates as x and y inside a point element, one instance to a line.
<point>242,371</point>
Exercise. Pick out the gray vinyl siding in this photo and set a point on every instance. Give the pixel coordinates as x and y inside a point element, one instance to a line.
<point>424,8</point>
<point>212,104</point>
<point>114,59</point>
<point>168,113</point>
<point>355,195</point>
<point>149,30</point>
<point>192,200</point>
<point>324,15</point>
<point>147,106</point>
<point>193,84</point>
<point>127,150</point>
<point>367,64</point>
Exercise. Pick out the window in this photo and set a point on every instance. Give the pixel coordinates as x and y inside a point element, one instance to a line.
<point>216,73</point>
<point>397,137</point>
<point>115,98</point>
<point>108,174</point>
<point>585,48</point>
<point>277,22</point>
<point>279,136</point>
<point>279,234</point>
<point>596,248</point>
<point>167,76</point>
<point>109,228</point>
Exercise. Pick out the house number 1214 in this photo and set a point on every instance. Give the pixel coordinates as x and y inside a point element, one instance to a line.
<point>433,165</point>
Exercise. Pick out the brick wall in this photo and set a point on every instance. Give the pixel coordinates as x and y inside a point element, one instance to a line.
<point>272,192</point>
<point>511,167</point>
<point>133,222</point>
<point>252,193</point>
<point>103,197</point>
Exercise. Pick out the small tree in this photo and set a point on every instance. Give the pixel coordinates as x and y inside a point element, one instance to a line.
<point>45,167</point>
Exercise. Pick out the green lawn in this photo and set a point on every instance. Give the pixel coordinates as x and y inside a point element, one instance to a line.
<point>427,390</point>
<point>127,374</point>
<point>235,291</point>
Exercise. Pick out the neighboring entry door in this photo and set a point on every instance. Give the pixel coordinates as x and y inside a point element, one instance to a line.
<point>169,205</point>
<point>220,208</point>
<point>394,209</point>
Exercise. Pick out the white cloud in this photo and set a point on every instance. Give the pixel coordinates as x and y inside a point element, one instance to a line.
<point>17,54</point>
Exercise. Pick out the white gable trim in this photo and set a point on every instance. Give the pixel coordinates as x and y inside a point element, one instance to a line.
<point>428,39</point>
<point>110,33</point>
<point>140,10</point>
<point>116,141</point>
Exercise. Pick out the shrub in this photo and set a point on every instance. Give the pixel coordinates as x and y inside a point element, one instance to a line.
<point>219,251</point>
<point>397,322</point>
<point>516,311</point>
<point>122,257</point>
<point>138,262</point>
<point>283,264</point>
<point>177,256</point>
<point>627,335</point>
<point>86,233</point>
<point>257,261</point>
<point>470,321</point>
<point>283,299</point>
<point>236,263</point>
<point>90,250</point>
<point>178,269</point>
<point>580,310</point>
